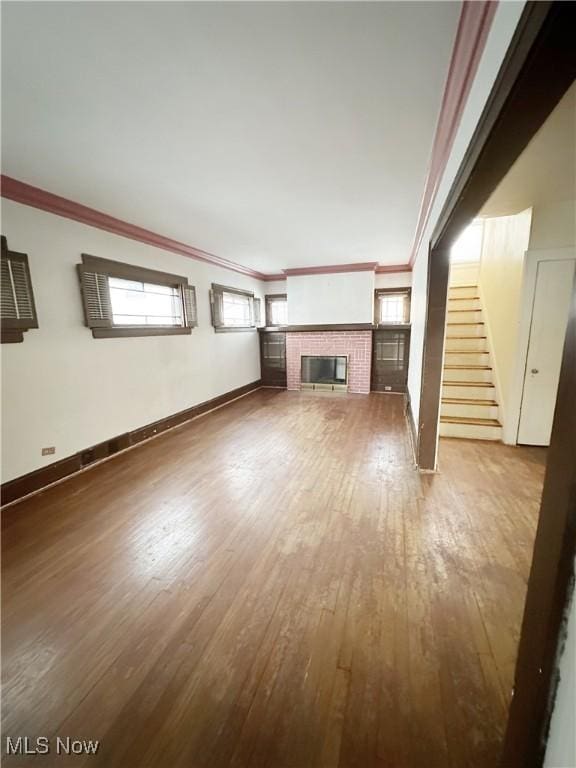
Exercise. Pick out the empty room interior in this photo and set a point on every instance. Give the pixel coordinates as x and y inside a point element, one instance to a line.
<point>288,304</point>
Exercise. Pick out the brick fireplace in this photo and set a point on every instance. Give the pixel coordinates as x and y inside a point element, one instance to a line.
<point>356,345</point>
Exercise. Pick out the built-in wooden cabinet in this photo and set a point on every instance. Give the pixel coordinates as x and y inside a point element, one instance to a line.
<point>390,352</point>
<point>273,358</point>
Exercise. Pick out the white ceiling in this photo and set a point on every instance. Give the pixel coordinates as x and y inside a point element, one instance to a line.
<point>545,172</point>
<point>272,134</point>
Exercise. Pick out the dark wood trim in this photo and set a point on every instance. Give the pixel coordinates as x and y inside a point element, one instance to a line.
<point>124,332</point>
<point>40,478</point>
<point>126,271</point>
<point>411,424</point>
<point>538,69</point>
<point>228,289</point>
<point>312,328</point>
<point>551,580</point>
<point>433,355</point>
<point>11,335</point>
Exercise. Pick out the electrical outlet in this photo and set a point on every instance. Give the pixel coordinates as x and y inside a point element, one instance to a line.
<point>49,451</point>
<point>388,389</point>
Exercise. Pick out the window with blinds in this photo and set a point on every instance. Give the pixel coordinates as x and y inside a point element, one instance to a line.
<point>17,306</point>
<point>392,306</point>
<point>276,309</point>
<point>125,300</point>
<point>233,309</point>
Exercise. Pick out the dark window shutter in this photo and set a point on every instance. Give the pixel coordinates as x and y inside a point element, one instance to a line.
<point>96,298</point>
<point>17,307</point>
<point>191,312</point>
<point>216,308</point>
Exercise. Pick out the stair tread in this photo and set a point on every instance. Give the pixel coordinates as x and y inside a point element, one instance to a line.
<point>466,351</point>
<point>464,298</point>
<point>478,322</point>
<point>465,310</point>
<point>467,384</point>
<point>465,337</point>
<point>470,367</point>
<point>468,401</point>
<point>470,421</point>
<point>471,285</point>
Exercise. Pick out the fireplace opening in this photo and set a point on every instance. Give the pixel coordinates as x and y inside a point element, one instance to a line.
<point>323,372</point>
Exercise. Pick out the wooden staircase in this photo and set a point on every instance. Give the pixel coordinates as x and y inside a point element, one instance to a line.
<point>469,408</point>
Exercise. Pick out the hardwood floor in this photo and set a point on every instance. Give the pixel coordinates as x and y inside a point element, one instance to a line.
<point>273,586</point>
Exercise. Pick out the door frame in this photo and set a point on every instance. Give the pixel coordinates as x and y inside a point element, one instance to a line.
<point>538,69</point>
<point>531,260</point>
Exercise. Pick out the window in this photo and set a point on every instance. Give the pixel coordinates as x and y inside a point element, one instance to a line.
<point>276,309</point>
<point>17,307</point>
<point>233,309</point>
<point>392,306</point>
<point>125,300</point>
<point>135,303</point>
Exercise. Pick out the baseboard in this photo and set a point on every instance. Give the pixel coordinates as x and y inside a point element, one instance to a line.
<point>412,426</point>
<point>35,481</point>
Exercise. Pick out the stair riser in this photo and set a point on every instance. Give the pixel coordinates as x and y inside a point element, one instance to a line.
<point>473,358</point>
<point>466,374</point>
<point>480,393</point>
<point>463,304</point>
<point>468,411</point>
<point>470,431</point>
<point>459,292</point>
<point>472,344</point>
<point>463,330</point>
<point>464,317</point>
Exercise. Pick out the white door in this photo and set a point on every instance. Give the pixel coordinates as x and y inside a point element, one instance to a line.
<point>550,310</point>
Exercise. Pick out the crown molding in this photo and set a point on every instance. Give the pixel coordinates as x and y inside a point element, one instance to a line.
<point>26,194</point>
<point>388,268</point>
<point>331,269</point>
<point>473,28</point>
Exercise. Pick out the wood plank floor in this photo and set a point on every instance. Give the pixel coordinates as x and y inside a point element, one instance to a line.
<point>272,586</point>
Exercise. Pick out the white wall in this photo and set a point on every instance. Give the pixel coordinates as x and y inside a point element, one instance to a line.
<point>554,225</point>
<point>62,387</point>
<point>344,297</point>
<point>274,286</point>
<point>393,280</point>
<point>561,747</point>
<point>503,26</point>
<point>501,277</point>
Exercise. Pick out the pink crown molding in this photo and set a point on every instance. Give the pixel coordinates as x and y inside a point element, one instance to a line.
<point>366,266</point>
<point>26,194</point>
<point>19,192</point>
<point>388,268</point>
<point>473,28</point>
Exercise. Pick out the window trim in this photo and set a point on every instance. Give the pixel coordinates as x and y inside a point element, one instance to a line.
<point>12,328</point>
<point>269,299</point>
<point>218,290</point>
<point>123,271</point>
<point>403,291</point>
